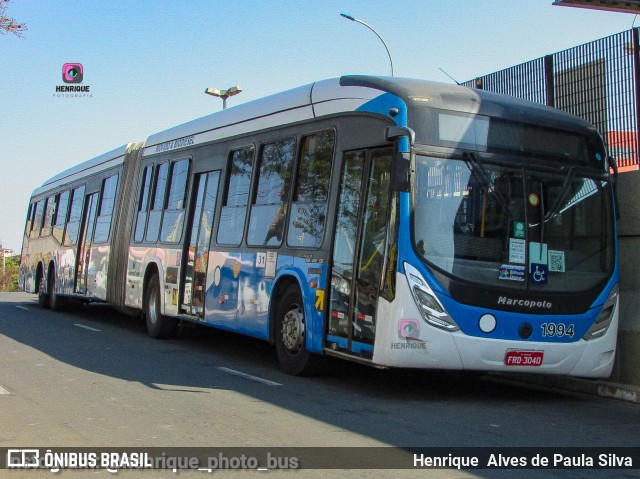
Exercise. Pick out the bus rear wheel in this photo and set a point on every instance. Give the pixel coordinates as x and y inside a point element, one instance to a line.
<point>43,297</point>
<point>55,301</point>
<point>290,336</point>
<point>158,325</point>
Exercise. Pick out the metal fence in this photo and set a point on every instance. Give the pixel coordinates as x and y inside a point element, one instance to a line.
<point>598,81</point>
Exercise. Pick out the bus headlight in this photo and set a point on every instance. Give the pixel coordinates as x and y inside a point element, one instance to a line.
<point>602,322</point>
<point>432,310</point>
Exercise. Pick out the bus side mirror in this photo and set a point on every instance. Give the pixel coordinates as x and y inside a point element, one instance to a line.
<point>395,132</point>
<point>613,164</point>
<point>401,169</point>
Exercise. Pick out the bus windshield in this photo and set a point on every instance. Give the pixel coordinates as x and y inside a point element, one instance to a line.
<point>514,227</point>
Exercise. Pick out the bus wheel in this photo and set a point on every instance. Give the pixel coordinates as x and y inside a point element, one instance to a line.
<point>43,297</point>
<point>158,325</point>
<point>293,356</point>
<point>55,301</point>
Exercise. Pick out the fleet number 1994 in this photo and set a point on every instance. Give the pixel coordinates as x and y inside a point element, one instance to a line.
<point>557,330</point>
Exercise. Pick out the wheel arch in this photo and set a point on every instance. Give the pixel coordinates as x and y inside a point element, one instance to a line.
<point>151,269</point>
<point>52,268</point>
<point>40,275</point>
<point>283,283</point>
<point>313,317</point>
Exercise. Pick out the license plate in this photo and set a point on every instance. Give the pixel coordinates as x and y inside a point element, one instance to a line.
<point>515,357</point>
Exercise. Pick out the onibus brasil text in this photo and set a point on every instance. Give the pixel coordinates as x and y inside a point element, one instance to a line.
<point>30,458</point>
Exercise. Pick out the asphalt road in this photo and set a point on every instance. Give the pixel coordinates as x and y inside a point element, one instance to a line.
<point>91,377</point>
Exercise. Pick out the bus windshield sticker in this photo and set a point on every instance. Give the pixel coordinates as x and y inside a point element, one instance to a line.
<point>511,272</point>
<point>516,250</point>
<point>537,253</point>
<point>539,273</point>
<point>556,261</point>
<point>518,229</point>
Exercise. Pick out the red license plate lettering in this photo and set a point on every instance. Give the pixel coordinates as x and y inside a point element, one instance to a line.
<point>523,358</point>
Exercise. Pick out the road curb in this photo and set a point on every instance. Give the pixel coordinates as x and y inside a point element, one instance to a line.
<point>594,387</point>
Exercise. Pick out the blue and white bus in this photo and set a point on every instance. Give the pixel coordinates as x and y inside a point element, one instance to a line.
<point>388,221</point>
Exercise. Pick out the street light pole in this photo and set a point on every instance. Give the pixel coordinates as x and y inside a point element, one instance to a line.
<point>353,19</point>
<point>224,94</point>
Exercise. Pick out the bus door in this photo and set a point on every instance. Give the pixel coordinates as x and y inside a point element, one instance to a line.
<point>197,254</point>
<point>359,247</point>
<point>83,256</point>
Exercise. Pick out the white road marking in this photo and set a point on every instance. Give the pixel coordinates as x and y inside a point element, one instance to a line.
<point>22,307</point>
<point>249,376</point>
<point>87,327</point>
<point>4,391</point>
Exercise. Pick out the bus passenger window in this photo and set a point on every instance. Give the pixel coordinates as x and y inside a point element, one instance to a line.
<point>27,229</point>
<point>309,207</point>
<point>234,211</point>
<point>173,217</point>
<point>61,216</point>
<point>105,213</point>
<point>155,215</point>
<point>266,224</point>
<point>37,220</point>
<point>48,217</point>
<point>143,206</point>
<point>75,216</point>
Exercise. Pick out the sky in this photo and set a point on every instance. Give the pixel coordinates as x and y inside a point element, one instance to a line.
<point>147,64</point>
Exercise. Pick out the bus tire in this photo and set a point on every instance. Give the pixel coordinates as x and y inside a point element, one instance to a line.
<point>158,325</point>
<point>55,301</point>
<point>290,335</point>
<point>43,297</point>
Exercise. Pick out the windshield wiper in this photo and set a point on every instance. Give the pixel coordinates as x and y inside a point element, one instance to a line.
<point>559,200</point>
<point>476,168</point>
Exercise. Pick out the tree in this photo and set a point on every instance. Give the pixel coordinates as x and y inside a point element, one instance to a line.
<point>8,24</point>
<point>9,279</point>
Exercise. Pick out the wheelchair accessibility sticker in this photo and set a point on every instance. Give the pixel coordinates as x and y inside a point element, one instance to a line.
<point>539,273</point>
<point>538,263</point>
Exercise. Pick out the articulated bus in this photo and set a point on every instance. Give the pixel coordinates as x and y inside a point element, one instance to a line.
<point>388,221</point>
